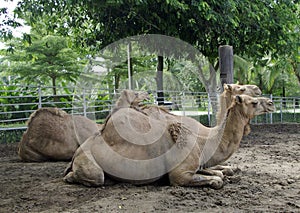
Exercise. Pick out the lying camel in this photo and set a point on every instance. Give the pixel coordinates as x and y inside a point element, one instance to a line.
<point>54,135</point>
<point>140,149</point>
<point>225,99</point>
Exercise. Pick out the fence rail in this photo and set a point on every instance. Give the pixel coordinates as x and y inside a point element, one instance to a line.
<point>17,102</point>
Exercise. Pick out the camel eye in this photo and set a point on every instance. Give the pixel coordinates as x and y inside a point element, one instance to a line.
<point>254,104</point>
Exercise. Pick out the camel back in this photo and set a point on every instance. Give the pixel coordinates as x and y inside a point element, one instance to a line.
<point>54,111</point>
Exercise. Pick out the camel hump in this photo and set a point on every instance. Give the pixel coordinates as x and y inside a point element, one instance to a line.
<point>131,98</point>
<point>46,110</point>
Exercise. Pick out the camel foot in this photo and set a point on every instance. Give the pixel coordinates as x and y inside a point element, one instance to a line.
<point>69,177</point>
<point>216,182</point>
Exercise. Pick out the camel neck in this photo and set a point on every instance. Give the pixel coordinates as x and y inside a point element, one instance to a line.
<point>224,103</point>
<point>226,139</point>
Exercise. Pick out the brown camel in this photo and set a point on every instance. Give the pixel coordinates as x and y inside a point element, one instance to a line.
<point>230,90</point>
<point>139,148</point>
<point>54,135</point>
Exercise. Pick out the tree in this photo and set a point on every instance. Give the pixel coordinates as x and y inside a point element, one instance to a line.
<point>254,28</point>
<point>8,22</point>
<point>47,59</point>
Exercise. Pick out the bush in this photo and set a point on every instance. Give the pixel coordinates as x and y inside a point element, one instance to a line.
<point>11,136</point>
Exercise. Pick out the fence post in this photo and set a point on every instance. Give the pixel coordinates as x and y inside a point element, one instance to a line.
<point>255,119</point>
<point>271,114</point>
<point>281,103</point>
<point>208,109</point>
<point>40,97</point>
<point>182,102</point>
<point>294,106</point>
<point>84,104</point>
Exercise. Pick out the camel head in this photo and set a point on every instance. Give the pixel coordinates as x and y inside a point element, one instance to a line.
<point>236,89</point>
<point>251,106</point>
<point>267,104</point>
<point>132,98</point>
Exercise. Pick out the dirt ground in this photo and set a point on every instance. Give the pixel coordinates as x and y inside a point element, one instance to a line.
<point>268,180</point>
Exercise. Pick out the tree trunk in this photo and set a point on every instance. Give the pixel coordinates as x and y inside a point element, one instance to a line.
<point>117,81</point>
<point>226,65</point>
<point>130,68</point>
<point>159,80</point>
<point>296,69</point>
<point>55,98</point>
<point>211,88</point>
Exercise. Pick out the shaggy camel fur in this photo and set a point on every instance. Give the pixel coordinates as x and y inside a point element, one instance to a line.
<point>54,135</point>
<point>140,149</point>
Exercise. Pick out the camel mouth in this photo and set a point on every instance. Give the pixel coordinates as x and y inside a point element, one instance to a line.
<point>270,107</point>
<point>257,94</point>
<point>273,109</point>
<point>267,105</point>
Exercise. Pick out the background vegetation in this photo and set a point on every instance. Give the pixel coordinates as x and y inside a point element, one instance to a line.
<point>67,34</point>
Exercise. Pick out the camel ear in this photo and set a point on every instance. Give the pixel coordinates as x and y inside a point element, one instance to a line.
<point>238,99</point>
<point>227,87</point>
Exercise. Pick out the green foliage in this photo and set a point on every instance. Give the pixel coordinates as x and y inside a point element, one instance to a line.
<point>8,94</point>
<point>11,136</point>
<point>7,24</point>
<point>275,77</point>
<point>255,28</point>
<point>46,60</point>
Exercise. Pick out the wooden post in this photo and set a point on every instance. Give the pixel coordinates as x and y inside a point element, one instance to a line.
<point>159,80</point>
<point>130,72</point>
<point>226,64</point>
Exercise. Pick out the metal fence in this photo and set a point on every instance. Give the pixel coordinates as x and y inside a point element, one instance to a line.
<point>17,102</point>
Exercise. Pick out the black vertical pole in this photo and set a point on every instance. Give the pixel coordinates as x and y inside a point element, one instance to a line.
<point>226,64</point>
<point>159,80</point>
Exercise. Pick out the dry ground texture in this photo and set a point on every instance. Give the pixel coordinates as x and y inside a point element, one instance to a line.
<point>268,180</point>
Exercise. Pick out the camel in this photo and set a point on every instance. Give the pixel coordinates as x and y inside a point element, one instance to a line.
<point>139,148</point>
<point>54,135</point>
<point>230,90</point>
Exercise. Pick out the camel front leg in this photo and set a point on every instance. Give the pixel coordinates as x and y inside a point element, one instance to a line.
<point>211,172</point>
<point>193,179</point>
<point>226,170</point>
<point>85,170</point>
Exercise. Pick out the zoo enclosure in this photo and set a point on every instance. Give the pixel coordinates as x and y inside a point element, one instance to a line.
<point>17,102</point>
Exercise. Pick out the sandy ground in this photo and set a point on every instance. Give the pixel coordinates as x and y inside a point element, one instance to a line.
<point>268,180</point>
